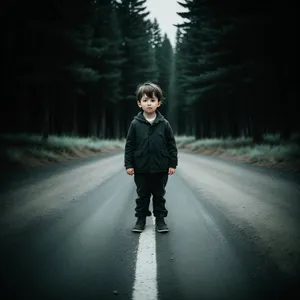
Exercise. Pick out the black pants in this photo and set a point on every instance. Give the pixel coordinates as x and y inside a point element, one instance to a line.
<point>147,184</point>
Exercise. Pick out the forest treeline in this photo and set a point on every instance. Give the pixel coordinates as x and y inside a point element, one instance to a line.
<point>72,67</point>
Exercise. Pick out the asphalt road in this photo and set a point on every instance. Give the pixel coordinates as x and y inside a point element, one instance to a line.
<point>65,233</point>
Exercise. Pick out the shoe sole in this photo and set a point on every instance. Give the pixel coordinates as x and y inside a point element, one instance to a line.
<point>137,230</point>
<point>163,230</point>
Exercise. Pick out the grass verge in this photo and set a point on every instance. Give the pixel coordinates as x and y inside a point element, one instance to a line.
<point>31,150</point>
<point>273,152</point>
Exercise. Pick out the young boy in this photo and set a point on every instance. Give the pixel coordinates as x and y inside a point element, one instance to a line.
<point>150,155</point>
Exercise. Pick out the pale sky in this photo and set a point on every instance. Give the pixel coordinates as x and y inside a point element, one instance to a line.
<point>165,11</point>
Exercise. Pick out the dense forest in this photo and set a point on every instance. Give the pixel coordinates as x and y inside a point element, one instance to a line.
<point>72,67</point>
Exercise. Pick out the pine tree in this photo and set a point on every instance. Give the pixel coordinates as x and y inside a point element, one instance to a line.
<point>106,93</point>
<point>139,65</point>
<point>51,68</point>
<point>156,37</point>
<point>165,60</point>
<point>217,69</point>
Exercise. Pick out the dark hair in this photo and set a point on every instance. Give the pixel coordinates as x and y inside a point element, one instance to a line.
<point>149,89</point>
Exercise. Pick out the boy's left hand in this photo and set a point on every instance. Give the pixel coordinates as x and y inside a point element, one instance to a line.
<point>171,171</point>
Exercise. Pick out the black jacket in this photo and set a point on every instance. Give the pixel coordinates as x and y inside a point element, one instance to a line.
<point>150,147</point>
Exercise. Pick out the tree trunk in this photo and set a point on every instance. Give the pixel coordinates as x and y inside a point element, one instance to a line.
<point>187,124</point>
<point>257,134</point>
<point>197,128</point>
<point>93,125</point>
<point>102,132</point>
<point>225,125</point>
<point>206,129</point>
<point>218,126</point>
<point>46,121</point>
<point>92,121</point>
<point>117,131</point>
<point>75,129</point>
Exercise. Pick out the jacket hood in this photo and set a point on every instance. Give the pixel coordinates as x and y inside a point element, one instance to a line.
<point>140,117</point>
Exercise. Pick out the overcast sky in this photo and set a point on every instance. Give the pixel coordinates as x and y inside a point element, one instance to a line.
<point>165,11</point>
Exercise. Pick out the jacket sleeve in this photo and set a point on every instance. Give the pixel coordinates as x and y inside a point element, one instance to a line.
<point>129,147</point>
<point>172,148</point>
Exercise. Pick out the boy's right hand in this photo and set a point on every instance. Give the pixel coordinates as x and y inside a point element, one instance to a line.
<point>130,171</point>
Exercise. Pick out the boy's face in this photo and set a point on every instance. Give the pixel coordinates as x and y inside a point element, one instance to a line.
<point>149,105</point>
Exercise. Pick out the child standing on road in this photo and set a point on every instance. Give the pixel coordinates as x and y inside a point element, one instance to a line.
<point>150,155</point>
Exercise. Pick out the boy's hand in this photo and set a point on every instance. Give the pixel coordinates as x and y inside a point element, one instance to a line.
<point>130,171</point>
<point>171,171</point>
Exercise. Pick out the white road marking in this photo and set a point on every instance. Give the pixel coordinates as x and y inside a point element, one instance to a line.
<point>145,283</point>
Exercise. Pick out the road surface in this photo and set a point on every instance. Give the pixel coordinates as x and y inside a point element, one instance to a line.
<point>65,233</point>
